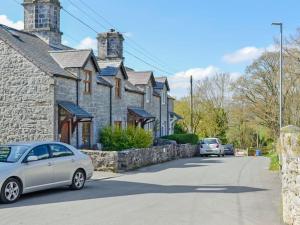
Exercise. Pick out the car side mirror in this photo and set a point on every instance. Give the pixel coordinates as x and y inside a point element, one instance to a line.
<point>32,158</point>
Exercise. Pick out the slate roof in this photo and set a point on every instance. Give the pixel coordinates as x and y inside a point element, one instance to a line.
<point>111,68</point>
<point>140,77</point>
<point>74,58</point>
<point>32,48</point>
<point>101,80</point>
<point>173,114</point>
<point>74,109</point>
<point>131,88</point>
<point>171,97</point>
<point>140,112</point>
<point>155,93</point>
<point>160,82</point>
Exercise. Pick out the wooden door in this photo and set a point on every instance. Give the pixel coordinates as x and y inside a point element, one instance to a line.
<point>65,132</point>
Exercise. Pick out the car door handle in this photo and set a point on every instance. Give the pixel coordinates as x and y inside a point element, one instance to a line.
<point>49,164</point>
<point>73,160</point>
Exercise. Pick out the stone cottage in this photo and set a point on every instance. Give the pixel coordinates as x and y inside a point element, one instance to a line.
<point>49,91</point>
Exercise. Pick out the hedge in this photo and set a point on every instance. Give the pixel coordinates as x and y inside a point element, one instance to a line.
<point>116,139</point>
<point>183,138</point>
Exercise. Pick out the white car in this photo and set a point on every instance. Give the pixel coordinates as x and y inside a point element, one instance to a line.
<point>211,146</point>
<point>29,167</point>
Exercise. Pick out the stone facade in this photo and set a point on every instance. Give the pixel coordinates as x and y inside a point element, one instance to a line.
<point>97,103</point>
<point>164,111</point>
<point>40,78</point>
<point>290,161</point>
<point>26,99</point>
<point>136,158</point>
<point>119,106</point>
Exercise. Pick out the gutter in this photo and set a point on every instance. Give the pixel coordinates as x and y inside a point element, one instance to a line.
<point>77,103</point>
<point>110,106</point>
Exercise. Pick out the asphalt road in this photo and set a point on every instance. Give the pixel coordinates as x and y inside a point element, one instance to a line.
<point>208,191</point>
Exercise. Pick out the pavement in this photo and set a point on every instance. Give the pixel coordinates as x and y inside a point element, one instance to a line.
<point>197,191</point>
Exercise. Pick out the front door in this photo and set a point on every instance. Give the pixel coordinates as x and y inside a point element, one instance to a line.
<point>65,132</point>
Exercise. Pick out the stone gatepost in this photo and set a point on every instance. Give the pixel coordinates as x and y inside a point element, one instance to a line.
<point>289,146</point>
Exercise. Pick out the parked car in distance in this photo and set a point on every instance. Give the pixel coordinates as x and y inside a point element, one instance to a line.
<point>211,146</point>
<point>35,166</point>
<point>228,149</point>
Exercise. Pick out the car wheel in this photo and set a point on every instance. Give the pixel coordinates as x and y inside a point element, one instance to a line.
<point>79,179</point>
<point>219,155</point>
<point>11,191</point>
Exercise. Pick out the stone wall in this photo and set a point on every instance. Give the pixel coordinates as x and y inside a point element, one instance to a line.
<point>132,159</point>
<point>26,99</point>
<point>290,161</point>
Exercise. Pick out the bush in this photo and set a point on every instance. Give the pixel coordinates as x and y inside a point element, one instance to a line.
<point>183,138</point>
<point>179,129</point>
<point>116,139</point>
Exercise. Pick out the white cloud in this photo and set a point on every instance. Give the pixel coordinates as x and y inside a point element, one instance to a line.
<point>6,21</point>
<point>88,43</point>
<point>246,54</point>
<point>179,83</point>
<point>128,34</point>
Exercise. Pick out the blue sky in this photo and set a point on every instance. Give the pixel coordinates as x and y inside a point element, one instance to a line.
<point>189,37</point>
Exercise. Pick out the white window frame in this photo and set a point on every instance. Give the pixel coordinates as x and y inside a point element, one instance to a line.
<point>163,96</point>
<point>148,94</point>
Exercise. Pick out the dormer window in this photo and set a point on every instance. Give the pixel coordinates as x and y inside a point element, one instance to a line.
<point>87,81</point>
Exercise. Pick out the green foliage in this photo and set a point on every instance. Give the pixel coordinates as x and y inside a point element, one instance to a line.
<point>179,129</point>
<point>183,138</point>
<point>274,161</point>
<point>116,139</point>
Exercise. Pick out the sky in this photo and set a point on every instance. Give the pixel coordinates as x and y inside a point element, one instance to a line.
<point>176,38</point>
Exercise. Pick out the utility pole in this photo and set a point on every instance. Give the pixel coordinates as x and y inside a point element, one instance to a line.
<point>281,121</point>
<point>192,105</point>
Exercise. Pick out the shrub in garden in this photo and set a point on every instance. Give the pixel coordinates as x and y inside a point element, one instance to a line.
<point>183,138</point>
<point>116,139</point>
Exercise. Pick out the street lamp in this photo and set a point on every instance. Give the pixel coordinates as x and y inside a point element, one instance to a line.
<point>280,82</point>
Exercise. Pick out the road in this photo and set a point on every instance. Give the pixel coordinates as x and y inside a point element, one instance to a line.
<point>206,191</point>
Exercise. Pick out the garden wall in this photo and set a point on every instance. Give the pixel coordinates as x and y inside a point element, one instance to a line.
<point>136,158</point>
<point>290,161</point>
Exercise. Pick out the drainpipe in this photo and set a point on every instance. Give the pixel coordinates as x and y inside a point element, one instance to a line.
<point>77,103</point>
<point>160,102</point>
<point>168,125</point>
<point>110,106</point>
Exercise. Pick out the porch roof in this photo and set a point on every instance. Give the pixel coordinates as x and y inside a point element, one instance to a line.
<point>173,114</point>
<point>140,112</point>
<point>74,110</point>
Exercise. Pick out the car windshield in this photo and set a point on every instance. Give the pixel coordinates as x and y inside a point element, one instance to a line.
<point>210,141</point>
<point>12,153</point>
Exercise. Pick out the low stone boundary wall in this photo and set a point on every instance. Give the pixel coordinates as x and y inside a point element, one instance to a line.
<point>290,161</point>
<point>136,158</point>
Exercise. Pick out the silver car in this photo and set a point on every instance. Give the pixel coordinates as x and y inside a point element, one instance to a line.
<point>29,167</point>
<point>211,146</point>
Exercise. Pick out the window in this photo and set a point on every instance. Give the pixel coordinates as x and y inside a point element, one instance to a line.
<point>163,98</point>
<point>13,153</point>
<point>118,124</point>
<point>86,134</point>
<point>118,87</point>
<point>148,94</point>
<point>60,151</point>
<point>41,152</point>
<point>87,82</point>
